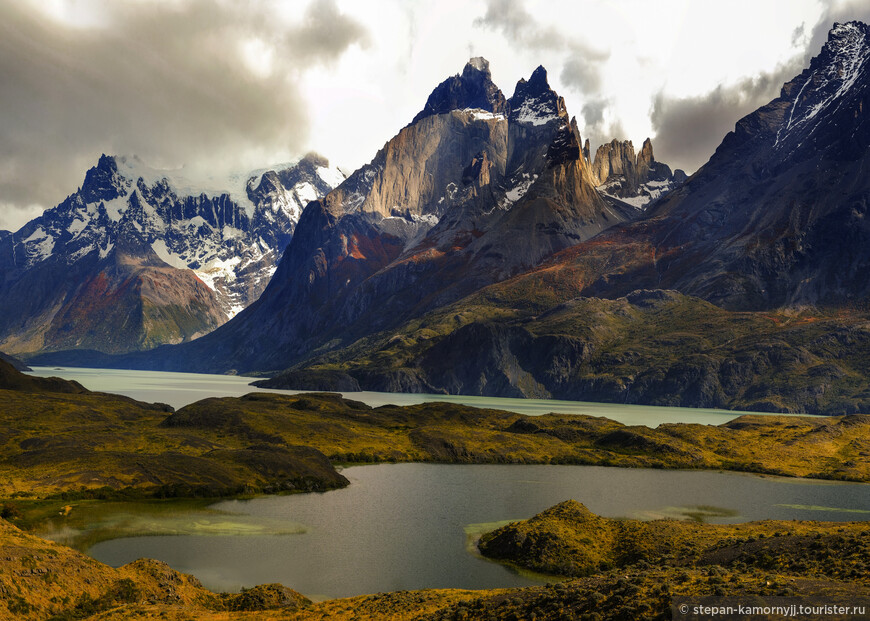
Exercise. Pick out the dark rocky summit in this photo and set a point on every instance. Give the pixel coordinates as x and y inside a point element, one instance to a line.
<point>472,89</point>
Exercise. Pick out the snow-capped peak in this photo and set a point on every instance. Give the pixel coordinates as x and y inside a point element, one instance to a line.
<point>830,77</point>
<point>229,228</point>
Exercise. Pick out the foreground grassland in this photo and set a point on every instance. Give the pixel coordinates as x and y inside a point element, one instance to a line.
<point>60,443</point>
<point>70,445</point>
<point>58,439</point>
<point>349,431</point>
<point>627,569</point>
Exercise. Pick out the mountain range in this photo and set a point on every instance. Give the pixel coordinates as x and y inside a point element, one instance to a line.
<point>482,251</point>
<point>138,257</point>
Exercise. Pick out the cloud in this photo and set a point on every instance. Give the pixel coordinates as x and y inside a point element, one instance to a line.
<point>689,129</point>
<point>519,26</point>
<point>170,82</point>
<point>582,67</point>
<point>598,127</point>
<point>583,64</point>
<point>325,33</point>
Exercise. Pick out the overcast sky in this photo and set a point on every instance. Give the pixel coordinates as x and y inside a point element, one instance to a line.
<point>240,85</point>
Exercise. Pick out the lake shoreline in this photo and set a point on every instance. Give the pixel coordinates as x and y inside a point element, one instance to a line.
<point>698,577</point>
<point>182,389</point>
<point>108,444</point>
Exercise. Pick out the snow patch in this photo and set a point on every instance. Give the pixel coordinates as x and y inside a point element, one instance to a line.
<point>41,250</point>
<point>305,193</point>
<point>160,249</point>
<point>520,188</point>
<point>76,227</point>
<point>115,208</point>
<point>218,269</point>
<point>230,232</point>
<point>333,177</point>
<point>195,222</point>
<point>38,234</point>
<point>81,252</point>
<point>478,114</point>
<point>647,192</point>
<point>534,113</point>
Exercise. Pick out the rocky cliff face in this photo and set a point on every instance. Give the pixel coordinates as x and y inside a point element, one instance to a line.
<point>638,180</point>
<point>222,238</point>
<point>775,218</point>
<point>473,89</point>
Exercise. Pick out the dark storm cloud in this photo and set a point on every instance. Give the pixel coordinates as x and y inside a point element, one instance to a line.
<point>596,129</point>
<point>689,129</point>
<point>167,82</point>
<point>582,69</point>
<point>325,33</point>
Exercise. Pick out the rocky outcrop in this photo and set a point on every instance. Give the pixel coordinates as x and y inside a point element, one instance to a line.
<point>11,378</point>
<point>634,180</point>
<point>16,364</point>
<point>777,216</point>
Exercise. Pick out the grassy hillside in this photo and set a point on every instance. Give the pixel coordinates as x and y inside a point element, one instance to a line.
<point>570,540</point>
<point>634,571</point>
<point>58,438</point>
<point>350,431</point>
<point>531,337</point>
<point>96,445</point>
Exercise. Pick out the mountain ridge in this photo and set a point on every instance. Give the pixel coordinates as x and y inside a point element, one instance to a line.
<point>216,239</point>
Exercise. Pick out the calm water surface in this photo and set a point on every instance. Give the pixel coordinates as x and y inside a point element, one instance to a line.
<point>404,526</point>
<point>180,389</point>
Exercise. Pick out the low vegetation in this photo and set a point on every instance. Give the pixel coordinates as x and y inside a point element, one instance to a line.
<point>617,569</point>
<point>70,445</point>
<point>63,445</point>
<point>350,431</point>
<point>58,439</point>
<point>533,337</point>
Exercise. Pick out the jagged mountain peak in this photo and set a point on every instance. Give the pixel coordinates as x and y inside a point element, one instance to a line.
<point>224,231</point>
<point>474,89</point>
<point>646,153</point>
<point>103,181</point>
<point>845,35</point>
<point>476,64</point>
<point>813,107</point>
<point>539,78</point>
<point>534,102</point>
<point>633,179</point>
